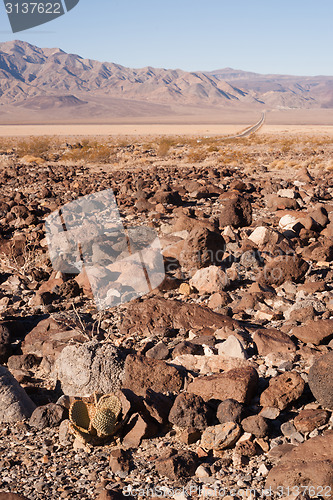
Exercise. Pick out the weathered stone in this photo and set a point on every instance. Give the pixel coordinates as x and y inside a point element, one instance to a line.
<point>321,380</point>
<point>220,437</point>
<point>232,347</point>
<point>141,373</point>
<point>256,425</point>
<point>282,390</point>
<point>15,404</point>
<point>209,364</point>
<point>209,280</point>
<point>275,202</point>
<point>308,420</point>
<point>246,448</point>
<point>190,411</point>
<point>90,367</point>
<point>239,384</point>
<point>11,496</point>
<point>315,332</point>
<point>283,268</point>
<point>177,465</point>
<point>5,343</point>
<point>120,462</point>
<point>49,415</point>
<point>136,430</point>
<point>272,340</point>
<point>308,464</point>
<point>261,235</point>
<point>202,248</point>
<point>187,347</point>
<point>23,362</point>
<point>49,338</point>
<point>189,435</point>
<point>159,351</point>
<point>65,435</point>
<point>229,410</point>
<point>143,317</point>
<point>158,406</point>
<point>236,212</point>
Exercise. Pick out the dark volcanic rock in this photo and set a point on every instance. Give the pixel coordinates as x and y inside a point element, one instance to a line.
<point>229,410</point>
<point>49,415</point>
<point>321,380</point>
<point>177,465</point>
<point>283,268</point>
<point>236,212</point>
<point>190,411</point>
<point>202,248</point>
<point>5,346</point>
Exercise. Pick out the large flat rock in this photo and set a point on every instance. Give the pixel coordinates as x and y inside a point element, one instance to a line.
<point>309,464</point>
<point>143,317</point>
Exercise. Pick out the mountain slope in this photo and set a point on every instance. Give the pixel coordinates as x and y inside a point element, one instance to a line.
<point>28,71</point>
<point>40,79</point>
<point>280,89</point>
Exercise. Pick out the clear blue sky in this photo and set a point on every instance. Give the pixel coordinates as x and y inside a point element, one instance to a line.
<point>265,36</point>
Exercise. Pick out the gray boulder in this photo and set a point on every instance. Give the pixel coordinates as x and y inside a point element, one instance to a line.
<point>15,404</point>
<point>91,367</point>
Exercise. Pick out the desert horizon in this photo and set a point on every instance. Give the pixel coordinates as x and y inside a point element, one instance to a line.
<point>166,251</point>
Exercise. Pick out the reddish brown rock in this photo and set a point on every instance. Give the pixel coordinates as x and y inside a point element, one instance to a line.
<point>239,384</point>
<point>308,420</point>
<point>321,380</point>
<point>202,248</point>
<point>313,287</point>
<point>236,212</point>
<point>143,317</point>
<point>282,390</point>
<point>256,425</point>
<point>49,338</point>
<point>11,496</point>
<point>272,340</point>
<point>315,332</point>
<point>283,268</point>
<point>136,430</point>
<point>275,202</point>
<point>309,464</point>
<point>177,465</point>
<point>190,411</point>
<point>141,373</point>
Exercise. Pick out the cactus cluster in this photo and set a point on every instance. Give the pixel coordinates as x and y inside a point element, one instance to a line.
<point>99,419</point>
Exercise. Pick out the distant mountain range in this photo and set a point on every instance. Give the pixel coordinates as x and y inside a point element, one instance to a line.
<point>36,79</point>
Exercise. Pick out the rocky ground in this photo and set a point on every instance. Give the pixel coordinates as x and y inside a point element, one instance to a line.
<point>223,372</point>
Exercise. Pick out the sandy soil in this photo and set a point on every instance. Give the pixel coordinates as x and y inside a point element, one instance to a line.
<point>188,122</point>
<point>156,129</point>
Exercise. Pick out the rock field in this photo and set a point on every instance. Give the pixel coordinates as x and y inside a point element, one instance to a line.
<point>224,372</point>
